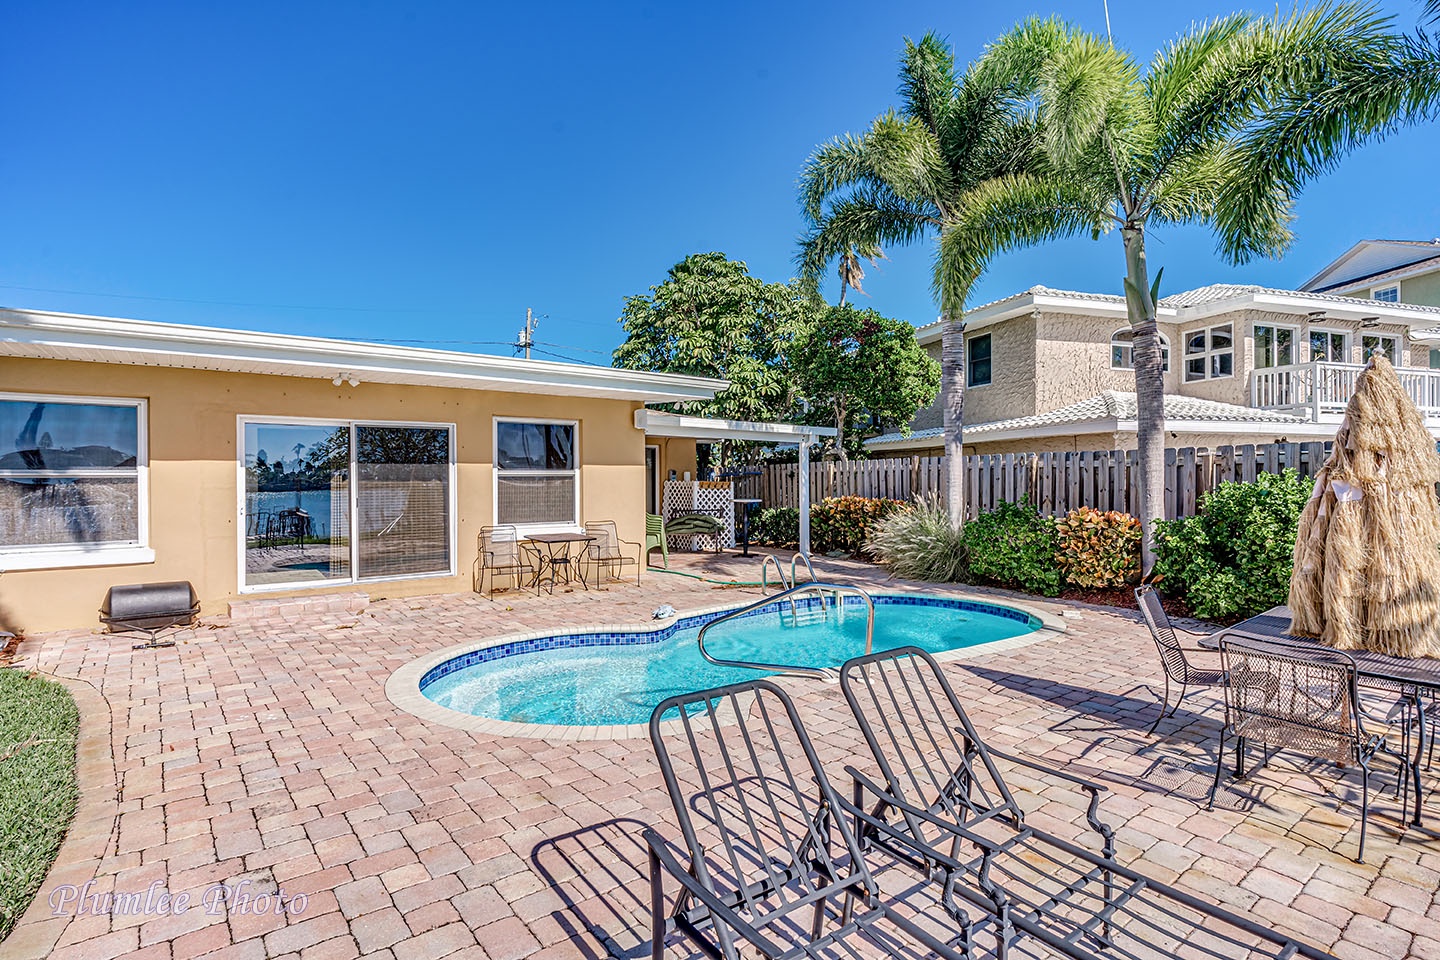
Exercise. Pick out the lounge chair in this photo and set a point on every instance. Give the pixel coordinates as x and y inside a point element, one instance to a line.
<point>1173,656</point>
<point>941,786</point>
<point>771,864</point>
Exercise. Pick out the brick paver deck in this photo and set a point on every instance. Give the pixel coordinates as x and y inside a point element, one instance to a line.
<point>262,753</point>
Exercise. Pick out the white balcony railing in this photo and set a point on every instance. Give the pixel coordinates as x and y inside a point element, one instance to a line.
<point>1313,389</point>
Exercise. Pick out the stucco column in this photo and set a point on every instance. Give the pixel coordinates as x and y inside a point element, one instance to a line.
<point>805,495</point>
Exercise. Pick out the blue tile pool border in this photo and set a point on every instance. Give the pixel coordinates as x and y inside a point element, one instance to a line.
<point>635,637</point>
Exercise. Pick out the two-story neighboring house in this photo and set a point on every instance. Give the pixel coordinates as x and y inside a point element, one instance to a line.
<point>1392,271</point>
<point>1051,370</point>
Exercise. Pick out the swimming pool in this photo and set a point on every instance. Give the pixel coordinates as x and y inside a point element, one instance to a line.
<point>610,678</point>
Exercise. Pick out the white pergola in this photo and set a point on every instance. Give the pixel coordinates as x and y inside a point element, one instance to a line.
<point>658,423</point>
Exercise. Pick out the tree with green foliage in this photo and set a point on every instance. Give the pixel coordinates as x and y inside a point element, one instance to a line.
<point>917,174</point>
<point>856,366</point>
<point>711,318</point>
<point>1223,128</point>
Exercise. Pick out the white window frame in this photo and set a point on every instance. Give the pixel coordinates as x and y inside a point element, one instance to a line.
<point>1276,327</point>
<point>1376,291</point>
<point>1165,350</point>
<point>242,419</point>
<point>658,484</point>
<point>1399,360</point>
<point>117,553</point>
<point>524,529</point>
<point>1207,354</point>
<point>1330,332</point>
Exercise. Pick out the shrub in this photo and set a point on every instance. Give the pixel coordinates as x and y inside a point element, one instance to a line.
<point>919,543</point>
<point>1015,546</point>
<point>1234,559</point>
<point>1099,549</point>
<point>844,523</point>
<point>778,525</point>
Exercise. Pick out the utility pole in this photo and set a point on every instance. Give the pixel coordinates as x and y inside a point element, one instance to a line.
<point>527,336</point>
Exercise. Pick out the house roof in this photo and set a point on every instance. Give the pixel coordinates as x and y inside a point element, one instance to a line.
<point>1115,411</point>
<point>1369,259</point>
<point>662,423</point>
<point>64,336</point>
<point>1197,304</point>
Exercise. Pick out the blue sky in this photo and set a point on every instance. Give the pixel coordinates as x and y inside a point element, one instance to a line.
<point>429,170</point>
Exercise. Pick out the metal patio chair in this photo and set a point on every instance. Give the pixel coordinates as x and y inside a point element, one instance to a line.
<point>611,554</point>
<point>940,785</point>
<point>1305,700</point>
<point>772,865</point>
<point>501,553</point>
<point>1173,656</point>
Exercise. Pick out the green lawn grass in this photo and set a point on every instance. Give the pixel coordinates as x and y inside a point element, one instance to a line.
<point>38,727</point>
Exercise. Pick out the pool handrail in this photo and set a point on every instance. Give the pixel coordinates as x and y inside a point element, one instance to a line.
<point>765,564</point>
<point>818,673</point>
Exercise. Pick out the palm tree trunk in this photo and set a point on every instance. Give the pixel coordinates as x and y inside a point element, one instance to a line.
<point>1149,389</point>
<point>952,396</point>
<point>840,432</point>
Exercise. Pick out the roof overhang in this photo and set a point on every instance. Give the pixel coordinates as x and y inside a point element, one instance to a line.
<point>62,336</point>
<point>661,423</point>
<point>978,434</point>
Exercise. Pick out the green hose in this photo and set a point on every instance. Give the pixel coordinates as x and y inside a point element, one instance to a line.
<point>695,576</point>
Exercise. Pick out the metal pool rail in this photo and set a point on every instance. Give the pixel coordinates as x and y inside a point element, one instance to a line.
<point>821,589</point>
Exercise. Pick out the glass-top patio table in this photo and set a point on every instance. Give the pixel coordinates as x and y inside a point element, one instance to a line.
<point>553,552</point>
<point>1411,676</point>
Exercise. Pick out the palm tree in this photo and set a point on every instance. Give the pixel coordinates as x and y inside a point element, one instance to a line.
<point>916,173</point>
<point>852,273</point>
<point>1223,128</point>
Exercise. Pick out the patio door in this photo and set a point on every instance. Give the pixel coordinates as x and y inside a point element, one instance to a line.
<point>652,479</point>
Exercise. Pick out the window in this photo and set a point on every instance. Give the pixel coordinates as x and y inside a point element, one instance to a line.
<point>977,361</point>
<point>345,501</point>
<point>1210,353</point>
<point>1388,345</point>
<point>1330,346</point>
<point>1434,359</point>
<point>1390,294</point>
<point>537,476</point>
<point>1274,346</point>
<point>1121,355</point>
<point>72,481</point>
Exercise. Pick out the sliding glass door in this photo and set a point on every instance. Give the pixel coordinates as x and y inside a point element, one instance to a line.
<point>345,502</point>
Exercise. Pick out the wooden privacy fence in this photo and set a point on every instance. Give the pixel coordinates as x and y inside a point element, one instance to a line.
<point>1055,482</point>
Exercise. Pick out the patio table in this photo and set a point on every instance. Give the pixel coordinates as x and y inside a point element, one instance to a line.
<point>553,552</point>
<point>1410,675</point>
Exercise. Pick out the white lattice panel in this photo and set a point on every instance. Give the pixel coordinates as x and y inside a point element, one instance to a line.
<point>689,496</point>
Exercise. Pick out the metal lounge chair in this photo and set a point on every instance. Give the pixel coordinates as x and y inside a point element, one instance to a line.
<point>1173,656</point>
<point>940,785</point>
<point>772,866</point>
<point>1306,700</point>
<point>608,554</point>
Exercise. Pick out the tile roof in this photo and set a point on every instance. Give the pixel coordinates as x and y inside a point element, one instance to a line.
<point>1110,405</point>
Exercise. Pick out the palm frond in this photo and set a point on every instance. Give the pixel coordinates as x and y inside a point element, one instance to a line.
<point>869,218</point>
<point>897,153</point>
<point>927,81</point>
<point>1089,95</point>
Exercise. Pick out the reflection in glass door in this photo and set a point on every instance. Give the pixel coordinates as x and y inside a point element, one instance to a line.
<point>297,502</point>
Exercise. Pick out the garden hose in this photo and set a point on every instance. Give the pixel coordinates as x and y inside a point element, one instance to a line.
<point>695,576</point>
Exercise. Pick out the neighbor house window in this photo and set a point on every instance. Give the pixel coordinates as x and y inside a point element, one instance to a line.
<point>1388,345</point>
<point>1122,354</point>
<point>1434,359</point>
<point>1330,346</point>
<point>537,474</point>
<point>977,360</point>
<point>1210,353</point>
<point>1390,294</point>
<point>345,501</point>
<point>72,480</point>
<point>1274,346</point>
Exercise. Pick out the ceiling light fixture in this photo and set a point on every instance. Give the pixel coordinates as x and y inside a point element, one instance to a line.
<point>1368,322</point>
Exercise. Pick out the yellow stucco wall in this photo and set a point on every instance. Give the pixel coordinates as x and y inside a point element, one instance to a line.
<point>194,479</point>
<point>1011,390</point>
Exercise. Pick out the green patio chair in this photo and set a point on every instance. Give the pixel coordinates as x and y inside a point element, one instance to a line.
<point>655,537</point>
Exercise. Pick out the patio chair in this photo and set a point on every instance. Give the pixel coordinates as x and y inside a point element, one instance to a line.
<point>502,553</point>
<point>771,864</point>
<point>1307,701</point>
<point>940,785</point>
<point>1173,656</point>
<point>655,538</point>
<point>608,552</point>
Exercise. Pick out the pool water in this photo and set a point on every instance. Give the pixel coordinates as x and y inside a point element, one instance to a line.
<point>603,679</point>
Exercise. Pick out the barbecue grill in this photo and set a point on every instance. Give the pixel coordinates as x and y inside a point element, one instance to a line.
<point>150,608</point>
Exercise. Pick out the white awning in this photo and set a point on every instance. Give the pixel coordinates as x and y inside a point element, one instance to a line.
<point>659,423</point>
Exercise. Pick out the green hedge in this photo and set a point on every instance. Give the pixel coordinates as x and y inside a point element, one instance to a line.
<point>836,523</point>
<point>1015,547</point>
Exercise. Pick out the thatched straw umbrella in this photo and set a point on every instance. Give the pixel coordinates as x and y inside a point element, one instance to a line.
<point>1367,555</point>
